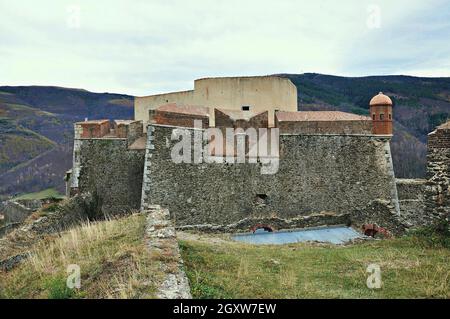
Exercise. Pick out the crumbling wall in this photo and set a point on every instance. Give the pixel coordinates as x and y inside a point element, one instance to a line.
<point>437,195</point>
<point>317,173</point>
<point>111,172</point>
<point>411,196</point>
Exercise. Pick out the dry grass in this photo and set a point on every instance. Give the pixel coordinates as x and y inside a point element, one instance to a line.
<point>112,256</point>
<point>236,270</point>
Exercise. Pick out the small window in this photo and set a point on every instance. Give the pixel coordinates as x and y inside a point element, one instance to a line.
<point>381,117</point>
<point>390,116</point>
<point>246,108</point>
<point>373,117</point>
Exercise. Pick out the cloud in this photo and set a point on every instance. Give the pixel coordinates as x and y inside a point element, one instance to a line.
<point>155,46</point>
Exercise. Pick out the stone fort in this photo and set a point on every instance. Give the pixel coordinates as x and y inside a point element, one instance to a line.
<point>334,168</point>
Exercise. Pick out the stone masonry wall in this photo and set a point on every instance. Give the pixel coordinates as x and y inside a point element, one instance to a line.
<point>318,174</point>
<point>438,172</point>
<point>411,196</point>
<point>325,127</point>
<point>111,172</point>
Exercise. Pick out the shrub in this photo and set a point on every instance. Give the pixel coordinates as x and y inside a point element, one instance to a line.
<point>436,235</point>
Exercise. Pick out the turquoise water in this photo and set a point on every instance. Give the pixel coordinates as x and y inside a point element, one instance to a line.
<point>334,235</point>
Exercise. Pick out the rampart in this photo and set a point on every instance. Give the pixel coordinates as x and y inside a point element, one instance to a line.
<point>318,174</point>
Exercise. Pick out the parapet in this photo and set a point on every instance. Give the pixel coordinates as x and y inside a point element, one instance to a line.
<point>179,115</point>
<point>106,129</point>
<point>322,122</point>
<point>92,129</point>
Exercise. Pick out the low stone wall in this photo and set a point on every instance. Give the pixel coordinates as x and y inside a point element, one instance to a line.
<point>161,240</point>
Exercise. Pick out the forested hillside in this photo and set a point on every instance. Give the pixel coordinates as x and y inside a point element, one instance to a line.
<point>36,132</point>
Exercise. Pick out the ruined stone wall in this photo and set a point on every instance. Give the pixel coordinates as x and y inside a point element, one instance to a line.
<point>411,196</point>
<point>111,172</point>
<point>438,172</point>
<point>318,174</point>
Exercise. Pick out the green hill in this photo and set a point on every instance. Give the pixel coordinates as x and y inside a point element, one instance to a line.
<point>36,132</point>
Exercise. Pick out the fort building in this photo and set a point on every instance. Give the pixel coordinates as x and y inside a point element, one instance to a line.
<point>333,167</point>
<point>254,94</point>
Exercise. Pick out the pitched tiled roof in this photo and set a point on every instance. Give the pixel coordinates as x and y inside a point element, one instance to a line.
<point>304,116</point>
<point>184,109</point>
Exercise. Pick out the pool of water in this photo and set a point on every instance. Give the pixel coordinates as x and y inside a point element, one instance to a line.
<point>334,235</point>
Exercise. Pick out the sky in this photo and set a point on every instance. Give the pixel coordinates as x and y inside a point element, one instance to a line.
<point>147,47</point>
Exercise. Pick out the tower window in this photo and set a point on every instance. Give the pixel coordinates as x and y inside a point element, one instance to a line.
<point>373,117</point>
<point>245,107</point>
<point>390,116</point>
<point>381,117</point>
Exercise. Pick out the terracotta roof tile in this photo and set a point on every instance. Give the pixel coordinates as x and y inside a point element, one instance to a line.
<point>380,99</point>
<point>184,109</point>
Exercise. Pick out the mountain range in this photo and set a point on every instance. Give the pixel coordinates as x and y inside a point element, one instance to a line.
<point>36,122</point>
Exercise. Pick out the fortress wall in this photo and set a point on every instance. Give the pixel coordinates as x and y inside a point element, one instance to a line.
<point>317,174</point>
<point>112,172</point>
<point>142,105</point>
<point>325,127</point>
<point>178,119</point>
<point>261,93</point>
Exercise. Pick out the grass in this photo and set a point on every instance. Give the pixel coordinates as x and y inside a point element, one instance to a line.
<point>410,268</point>
<point>113,261</point>
<point>47,193</point>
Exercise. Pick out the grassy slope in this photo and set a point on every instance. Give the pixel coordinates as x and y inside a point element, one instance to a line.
<point>112,256</point>
<point>47,193</point>
<point>235,270</point>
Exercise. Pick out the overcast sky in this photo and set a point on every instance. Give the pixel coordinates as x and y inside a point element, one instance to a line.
<point>147,47</point>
